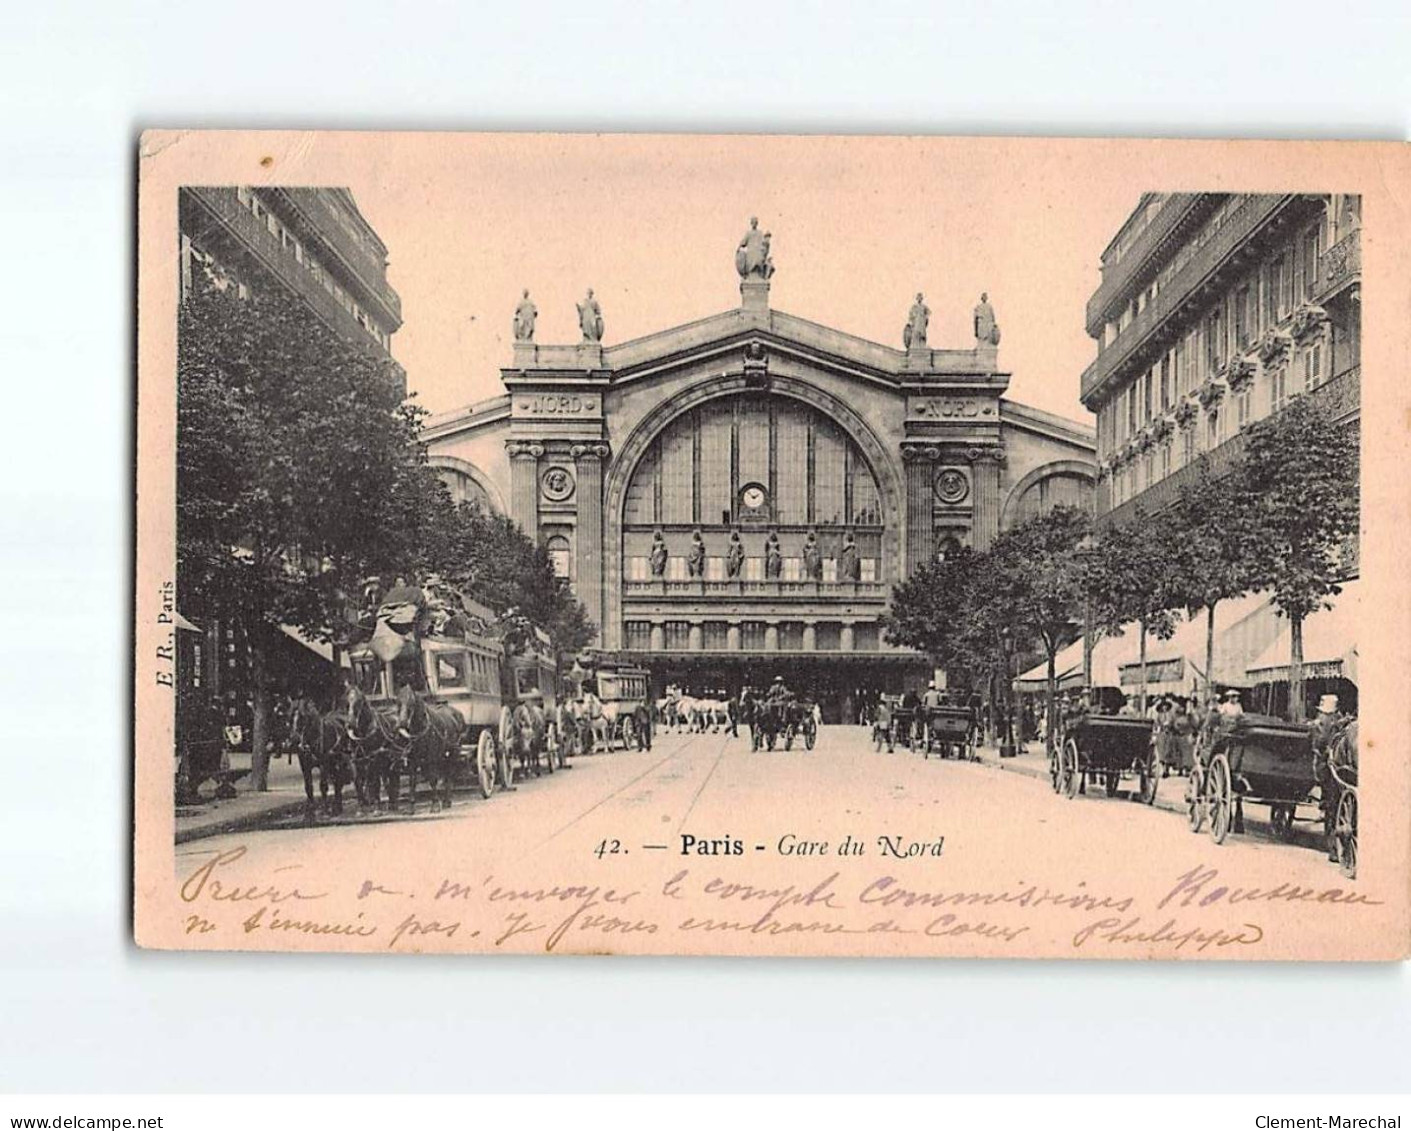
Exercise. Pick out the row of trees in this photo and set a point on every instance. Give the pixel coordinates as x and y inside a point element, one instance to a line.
<point>300,473</point>
<point>1279,519</point>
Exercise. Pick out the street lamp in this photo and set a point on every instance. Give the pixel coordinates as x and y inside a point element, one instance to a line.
<point>1087,553</point>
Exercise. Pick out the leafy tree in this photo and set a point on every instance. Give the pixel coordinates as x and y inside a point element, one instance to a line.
<point>489,556</point>
<point>298,472</point>
<point>1032,581</point>
<point>929,612</point>
<point>1130,579</point>
<point>1300,482</point>
<point>1217,546</point>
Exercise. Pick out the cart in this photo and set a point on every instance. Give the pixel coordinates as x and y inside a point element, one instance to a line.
<point>623,691</point>
<point>1255,758</point>
<point>1106,748</point>
<point>950,731</point>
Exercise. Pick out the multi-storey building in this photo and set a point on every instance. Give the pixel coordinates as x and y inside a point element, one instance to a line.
<point>1213,311</point>
<point>313,243</point>
<point>734,498</point>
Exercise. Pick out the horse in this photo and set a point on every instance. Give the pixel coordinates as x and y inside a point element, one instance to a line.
<point>567,724</point>
<point>593,725</point>
<point>766,723</point>
<point>321,740</point>
<point>377,748</point>
<point>433,734</point>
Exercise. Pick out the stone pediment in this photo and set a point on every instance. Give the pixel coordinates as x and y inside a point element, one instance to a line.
<point>733,330</point>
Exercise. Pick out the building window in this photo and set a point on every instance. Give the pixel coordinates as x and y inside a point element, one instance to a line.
<point>790,636</point>
<point>1243,403</point>
<point>1146,396</point>
<point>1187,445</point>
<point>561,556</point>
<point>639,635</point>
<point>1277,390</point>
<point>1212,430</point>
<point>716,635</point>
<point>1310,261</point>
<point>830,569</point>
<point>676,569</point>
<point>638,569</point>
<point>1313,366</point>
<point>752,636</point>
<point>1165,459</point>
<point>1214,343</point>
<point>868,569</point>
<point>1166,382</point>
<point>1275,295</point>
<point>793,569</point>
<point>678,635</point>
<point>1244,316</point>
<point>753,569</point>
<point>715,569</point>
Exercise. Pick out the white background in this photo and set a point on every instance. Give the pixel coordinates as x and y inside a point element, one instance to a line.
<point>81,1008</point>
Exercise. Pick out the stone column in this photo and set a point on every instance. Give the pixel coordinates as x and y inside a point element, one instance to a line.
<point>810,636</point>
<point>524,485</point>
<point>658,636</point>
<point>696,642</point>
<point>985,466</point>
<point>771,636</point>
<point>847,637</point>
<point>588,463</point>
<point>732,637</point>
<point>920,534</point>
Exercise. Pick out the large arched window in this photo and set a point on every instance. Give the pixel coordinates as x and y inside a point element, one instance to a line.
<point>753,459</point>
<point>561,555</point>
<point>1061,489</point>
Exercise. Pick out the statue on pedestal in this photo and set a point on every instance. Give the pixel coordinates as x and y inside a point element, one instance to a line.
<point>735,556</point>
<point>919,317</point>
<point>590,318</point>
<point>849,564</point>
<point>986,328</point>
<point>525,315</point>
<point>812,559</point>
<point>752,256</point>
<point>773,558</point>
<point>696,556</point>
<point>659,555</point>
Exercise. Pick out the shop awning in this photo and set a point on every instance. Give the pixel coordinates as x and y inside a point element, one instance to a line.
<point>323,651</point>
<point>1329,644</point>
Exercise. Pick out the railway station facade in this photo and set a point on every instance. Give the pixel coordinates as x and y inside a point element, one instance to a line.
<point>735,498</point>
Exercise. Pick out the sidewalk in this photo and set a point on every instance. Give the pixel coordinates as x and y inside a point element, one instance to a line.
<point>246,808</point>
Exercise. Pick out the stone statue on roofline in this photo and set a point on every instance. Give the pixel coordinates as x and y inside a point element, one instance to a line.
<point>917,320</point>
<point>752,259</point>
<point>590,318</point>
<point>986,328</point>
<point>525,315</point>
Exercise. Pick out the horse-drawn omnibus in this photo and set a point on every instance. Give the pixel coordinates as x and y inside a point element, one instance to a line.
<point>463,673</point>
<point>622,691</point>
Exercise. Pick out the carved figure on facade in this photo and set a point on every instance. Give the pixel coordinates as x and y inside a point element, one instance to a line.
<point>696,556</point>
<point>557,484</point>
<point>986,328</point>
<point>812,559</point>
<point>525,315</point>
<point>659,554</point>
<point>590,318</point>
<point>752,259</point>
<point>849,564</point>
<point>1308,321</point>
<point>913,334</point>
<point>735,556</point>
<point>773,557</point>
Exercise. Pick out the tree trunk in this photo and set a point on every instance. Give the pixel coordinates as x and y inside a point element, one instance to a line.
<point>1296,712</point>
<point>259,726</point>
<point>1141,660</point>
<point>1050,709</point>
<point>1210,650</point>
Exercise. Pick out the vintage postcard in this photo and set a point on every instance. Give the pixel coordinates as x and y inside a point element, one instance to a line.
<point>772,546</point>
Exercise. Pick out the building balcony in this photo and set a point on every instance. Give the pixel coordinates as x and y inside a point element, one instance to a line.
<point>1341,396</point>
<point>1200,272</point>
<point>1338,268</point>
<point>339,232</point>
<point>1118,278</point>
<point>255,239</point>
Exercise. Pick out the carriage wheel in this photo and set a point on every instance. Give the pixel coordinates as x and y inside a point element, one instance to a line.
<point>789,737</point>
<point>485,764</point>
<point>1055,769</point>
<point>1195,798</point>
<point>1072,769</point>
<point>1219,792</point>
<point>549,745</point>
<point>504,765</point>
<point>1345,833</point>
<point>810,736</point>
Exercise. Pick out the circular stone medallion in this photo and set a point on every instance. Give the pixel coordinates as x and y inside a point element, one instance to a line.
<point>952,486</point>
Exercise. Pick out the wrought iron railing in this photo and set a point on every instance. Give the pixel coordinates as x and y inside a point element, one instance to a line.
<point>1236,228</point>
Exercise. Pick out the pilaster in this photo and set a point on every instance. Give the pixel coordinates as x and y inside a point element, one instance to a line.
<point>588,466</point>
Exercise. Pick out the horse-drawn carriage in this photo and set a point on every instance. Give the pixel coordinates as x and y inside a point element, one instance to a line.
<point>1106,748</point>
<point>1256,758</point>
<point>950,731</point>
<point>612,707</point>
<point>781,718</point>
<point>893,723</point>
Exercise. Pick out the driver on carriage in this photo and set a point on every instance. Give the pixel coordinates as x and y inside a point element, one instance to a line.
<point>779,691</point>
<point>933,698</point>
